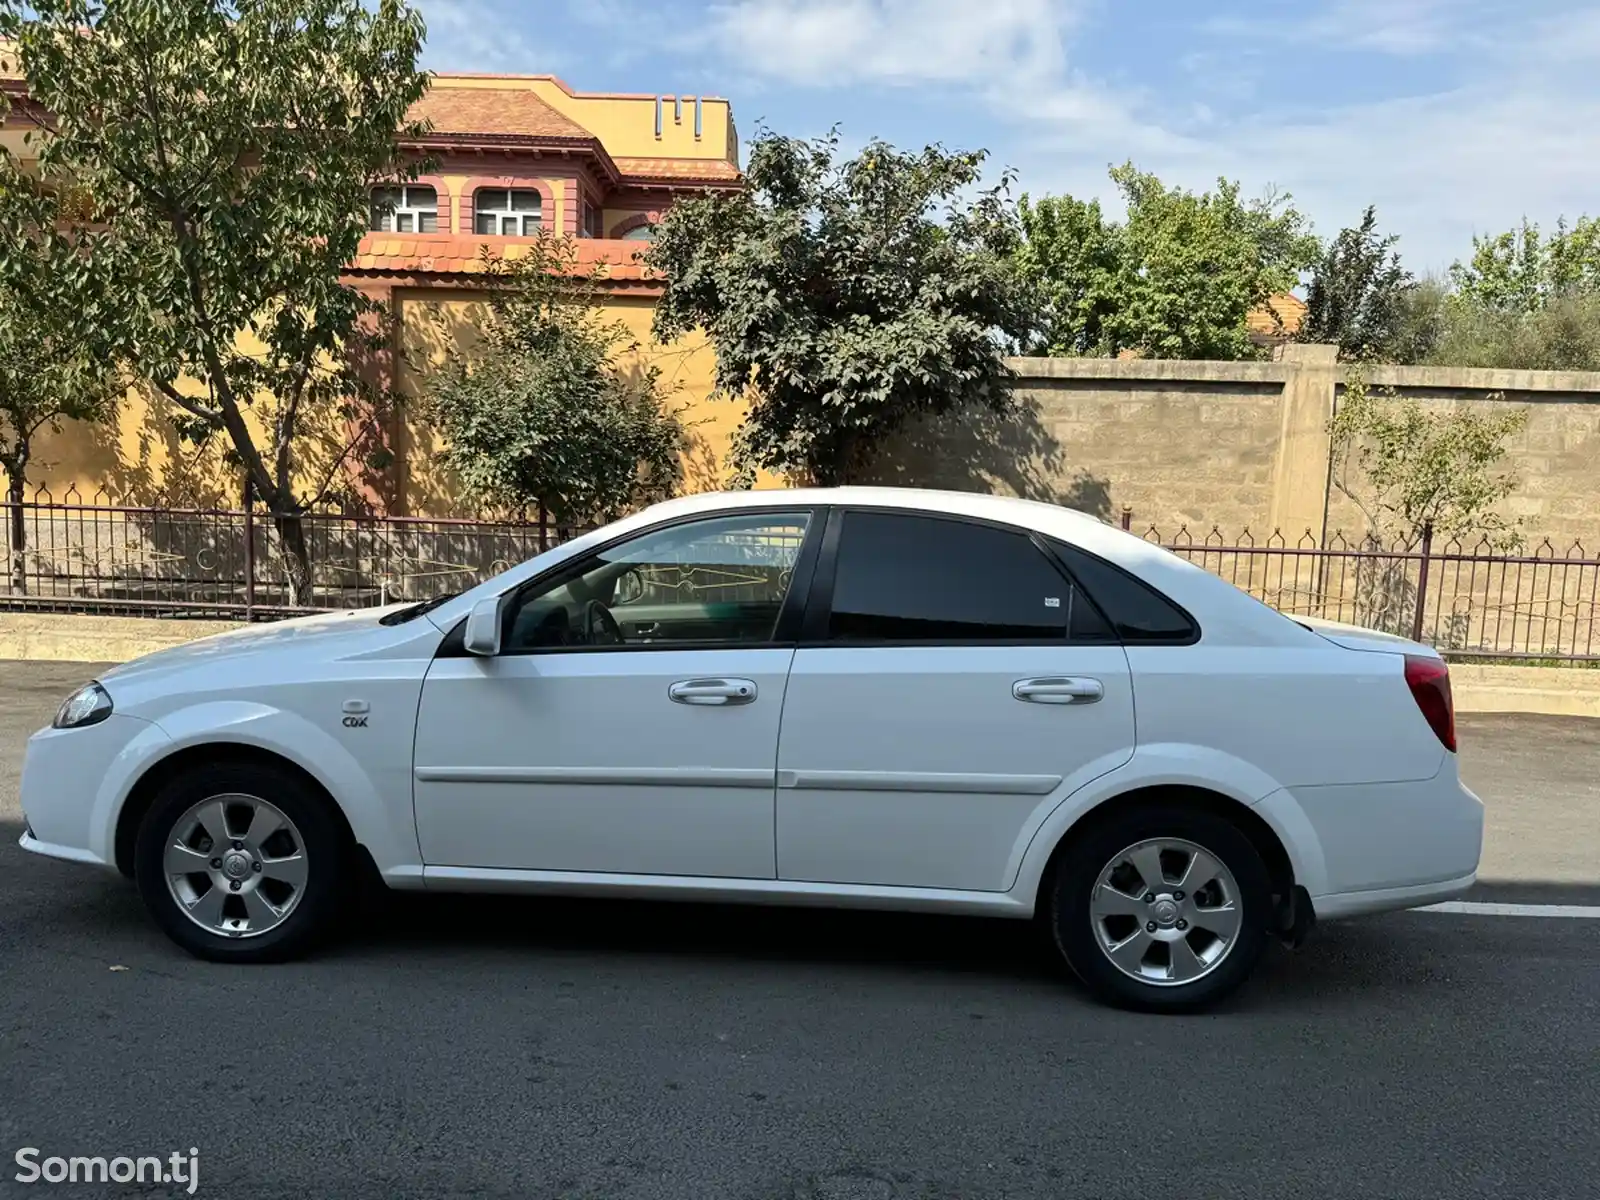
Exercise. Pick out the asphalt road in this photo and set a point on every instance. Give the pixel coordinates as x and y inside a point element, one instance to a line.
<point>487,1047</point>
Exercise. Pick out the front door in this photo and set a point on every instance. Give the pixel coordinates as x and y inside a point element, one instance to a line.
<point>953,687</point>
<point>630,724</point>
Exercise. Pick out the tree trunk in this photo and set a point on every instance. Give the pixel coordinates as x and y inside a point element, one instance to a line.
<point>291,529</point>
<point>19,533</point>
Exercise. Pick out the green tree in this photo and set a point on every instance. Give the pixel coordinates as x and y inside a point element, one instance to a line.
<point>49,371</point>
<point>541,413</point>
<point>1405,466</point>
<point>228,148</point>
<point>1408,470</point>
<point>1525,301</point>
<point>1563,334</point>
<point>1177,279</point>
<point>1420,320</point>
<point>1522,270</point>
<point>1357,297</point>
<point>1074,256</point>
<point>844,298</point>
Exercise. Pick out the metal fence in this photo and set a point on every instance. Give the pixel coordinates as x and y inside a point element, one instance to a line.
<point>1467,598</point>
<point>82,557</point>
<point>76,556</point>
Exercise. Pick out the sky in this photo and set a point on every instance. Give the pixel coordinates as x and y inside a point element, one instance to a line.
<point>1453,117</point>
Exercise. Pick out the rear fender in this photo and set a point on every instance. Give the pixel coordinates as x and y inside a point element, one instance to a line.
<point>1161,765</point>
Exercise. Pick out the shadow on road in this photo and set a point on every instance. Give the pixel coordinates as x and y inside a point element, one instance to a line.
<point>718,946</point>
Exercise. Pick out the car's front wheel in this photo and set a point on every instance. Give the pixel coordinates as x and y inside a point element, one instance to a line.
<point>242,863</point>
<point>1161,908</point>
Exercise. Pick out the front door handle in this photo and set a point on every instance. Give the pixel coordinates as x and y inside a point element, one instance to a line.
<point>713,691</point>
<point>1059,689</point>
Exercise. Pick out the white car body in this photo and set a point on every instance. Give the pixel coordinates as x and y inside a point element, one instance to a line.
<point>903,777</point>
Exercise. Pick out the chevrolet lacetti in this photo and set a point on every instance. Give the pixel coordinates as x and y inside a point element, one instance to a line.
<point>874,698</point>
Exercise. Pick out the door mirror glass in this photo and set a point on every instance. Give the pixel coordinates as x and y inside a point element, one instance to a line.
<point>482,636</point>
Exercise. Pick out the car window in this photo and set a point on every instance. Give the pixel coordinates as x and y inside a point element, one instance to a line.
<point>719,581</point>
<point>911,578</point>
<point>1137,611</point>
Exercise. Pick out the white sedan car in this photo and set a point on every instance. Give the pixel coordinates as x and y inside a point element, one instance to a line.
<point>854,697</point>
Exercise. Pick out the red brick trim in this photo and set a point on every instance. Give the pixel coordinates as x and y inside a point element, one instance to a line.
<point>628,224</point>
<point>473,282</point>
<point>441,194</point>
<point>547,197</point>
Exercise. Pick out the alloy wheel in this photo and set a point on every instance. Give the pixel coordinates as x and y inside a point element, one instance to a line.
<point>1166,912</point>
<point>235,865</point>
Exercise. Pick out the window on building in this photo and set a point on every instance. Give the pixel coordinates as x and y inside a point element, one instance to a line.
<point>500,212</point>
<point>413,208</point>
<point>903,578</point>
<point>591,220</point>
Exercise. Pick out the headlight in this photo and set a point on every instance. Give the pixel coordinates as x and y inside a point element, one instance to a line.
<point>89,705</point>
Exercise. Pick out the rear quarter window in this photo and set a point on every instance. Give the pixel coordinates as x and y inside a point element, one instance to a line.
<point>1138,613</point>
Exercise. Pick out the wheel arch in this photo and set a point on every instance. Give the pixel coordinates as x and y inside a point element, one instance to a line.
<point>1274,854</point>
<point>158,774</point>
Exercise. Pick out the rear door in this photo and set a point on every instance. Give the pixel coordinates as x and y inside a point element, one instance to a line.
<point>951,687</point>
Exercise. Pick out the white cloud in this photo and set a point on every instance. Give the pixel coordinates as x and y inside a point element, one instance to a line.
<point>834,42</point>
<point>1519,138</point>
<point>1396,27</point>
<point>1516,132</point>
<point>1439,167</point>
<point>478,36</point>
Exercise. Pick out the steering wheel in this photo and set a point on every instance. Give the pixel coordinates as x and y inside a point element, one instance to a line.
<point>600,628</point>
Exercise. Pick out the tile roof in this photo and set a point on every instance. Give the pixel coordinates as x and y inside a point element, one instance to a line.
<point>677,168</point>
<point>460,254</point>
<point>497,112</point>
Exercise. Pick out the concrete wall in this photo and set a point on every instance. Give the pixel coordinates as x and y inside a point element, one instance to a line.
<point>1196,445</point>
<point>1242,445</point>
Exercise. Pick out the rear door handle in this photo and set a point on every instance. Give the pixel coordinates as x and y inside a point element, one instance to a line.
<point>1058,689</point>
<point>713,691</point>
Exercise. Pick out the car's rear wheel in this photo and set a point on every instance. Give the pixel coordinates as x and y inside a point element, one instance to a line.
<point>1161,908</point>
<point>242,863</point>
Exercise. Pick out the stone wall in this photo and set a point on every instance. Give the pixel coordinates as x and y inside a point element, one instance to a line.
<point>1242,445</point>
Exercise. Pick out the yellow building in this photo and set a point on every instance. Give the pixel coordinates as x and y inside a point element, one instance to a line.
<point>512,155</point>
<point>518,154</point>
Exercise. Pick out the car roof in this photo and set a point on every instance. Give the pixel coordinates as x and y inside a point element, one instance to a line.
<point>1220,607</point>
<point>1011,509</point>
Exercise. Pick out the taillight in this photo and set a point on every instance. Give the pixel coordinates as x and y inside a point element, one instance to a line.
<point>1429,681</point>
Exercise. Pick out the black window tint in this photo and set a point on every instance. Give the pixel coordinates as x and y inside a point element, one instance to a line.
<point>1085,622</point>
<point>908,579</point>
<point>1138,612</point>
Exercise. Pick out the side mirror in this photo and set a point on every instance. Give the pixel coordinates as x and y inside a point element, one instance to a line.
<point>482,635</point>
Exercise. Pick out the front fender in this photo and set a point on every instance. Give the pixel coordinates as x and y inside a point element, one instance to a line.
<point>1168,764</point>
<point>376,802</point>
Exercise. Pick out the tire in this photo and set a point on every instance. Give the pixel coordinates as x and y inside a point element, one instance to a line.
<point>1095,907</point>
<point>274,870</point>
